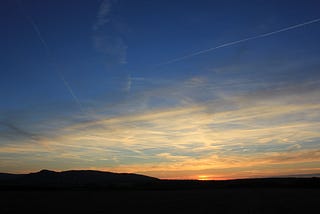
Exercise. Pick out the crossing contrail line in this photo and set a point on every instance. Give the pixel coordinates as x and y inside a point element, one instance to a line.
<point>241,40</point>
<point>48,52</point>
<point>67,85</point>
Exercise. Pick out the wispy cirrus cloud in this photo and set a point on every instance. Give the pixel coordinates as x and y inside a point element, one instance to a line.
<point>103,14</point>
<point>10,131</point>
<point>201,125</point>
<point>106,38</point>
<point>235,136</point>
<point>113,47</point>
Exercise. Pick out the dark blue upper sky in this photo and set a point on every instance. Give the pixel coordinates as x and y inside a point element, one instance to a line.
<point>64,62</point>
<point>137,36</point>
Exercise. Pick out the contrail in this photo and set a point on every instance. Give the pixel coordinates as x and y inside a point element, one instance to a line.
<point>67,85</point>
<point>36,29</point>
<point>241,40</point>
<point>46,47</point>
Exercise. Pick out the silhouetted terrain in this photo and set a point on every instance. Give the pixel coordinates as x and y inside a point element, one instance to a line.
<point>90,179</point>
<point>46,179</point>
<point>106,192</point>
<point>7,176</point>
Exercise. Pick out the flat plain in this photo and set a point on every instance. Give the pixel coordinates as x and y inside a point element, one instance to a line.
<point>225,200</point>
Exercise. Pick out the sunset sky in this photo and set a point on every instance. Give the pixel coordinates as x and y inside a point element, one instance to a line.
<point>194,89</point>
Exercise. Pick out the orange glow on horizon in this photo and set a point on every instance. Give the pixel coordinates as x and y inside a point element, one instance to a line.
<point>211,178</point>
<point>204,178</point>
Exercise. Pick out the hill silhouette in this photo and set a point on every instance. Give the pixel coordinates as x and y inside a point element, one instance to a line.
<point>91,179</point>
<point>88,191</point>
<point>73,179</point>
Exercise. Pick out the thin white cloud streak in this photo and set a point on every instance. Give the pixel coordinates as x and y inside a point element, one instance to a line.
<point>128,84</point>
<point>103,12</point>
<point>37,30</point>
<point>241,41</point>
<point>106,39</point>
<point>67,85</point>
<point>49,54</point>
<point>34,26</point>
<point>130,81</point>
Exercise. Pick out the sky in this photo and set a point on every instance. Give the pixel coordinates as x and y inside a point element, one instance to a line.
<point>192,89</point>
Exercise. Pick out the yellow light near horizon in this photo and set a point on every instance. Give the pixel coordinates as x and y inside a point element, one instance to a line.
<point>203,178</point>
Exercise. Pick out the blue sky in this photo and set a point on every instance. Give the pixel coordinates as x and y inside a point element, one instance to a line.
<point>137,86</point>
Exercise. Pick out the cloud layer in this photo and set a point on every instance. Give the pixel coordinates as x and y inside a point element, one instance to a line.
<point>265,133</point>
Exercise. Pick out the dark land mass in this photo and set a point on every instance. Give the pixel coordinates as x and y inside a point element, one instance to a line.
<point>88,191</point>
<point>98,180</point>
<point>73,179</point>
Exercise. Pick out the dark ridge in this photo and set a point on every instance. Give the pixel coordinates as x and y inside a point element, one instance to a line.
<point>46,179</point>
<point>7,176</point>
<point>45,171</point>
<point>91,179</point>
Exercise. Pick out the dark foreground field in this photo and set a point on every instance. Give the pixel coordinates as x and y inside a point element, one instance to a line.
<point>233,200</point>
